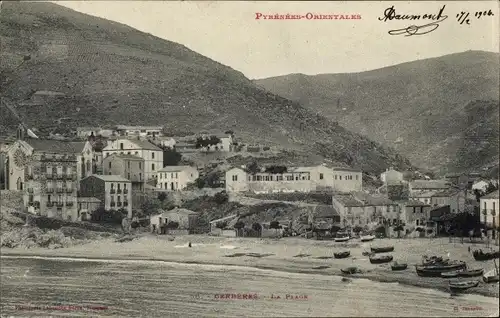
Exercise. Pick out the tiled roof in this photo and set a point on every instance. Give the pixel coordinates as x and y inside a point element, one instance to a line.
<point>414,203</point>
<point>56,146</point>
<point>429,184</point>
<point>110,178</point>
<point>174,168</point>
<point>144,144</point>
<point>426,194</point>
<point>446,193</point>
<point>347,200</point>
<point>492,195</point>
<point>325,211</point>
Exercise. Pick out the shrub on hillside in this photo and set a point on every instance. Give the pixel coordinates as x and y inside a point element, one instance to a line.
<point>221,197</point>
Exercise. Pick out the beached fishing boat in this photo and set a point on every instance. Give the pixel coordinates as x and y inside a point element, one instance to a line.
<point>451,274</point>
<point>462,286</point>
<point>399,266</point>
<point>492,276</point>
<point>479,255</point>
<point>382,249</point>
<point>342,254</point>
<point>380,259</point>
<point>434,261</point>
<point>342,237</point>
<point>436,270</point>
<point>471,273</point>
<point>367,238</point>
<point>350,270</point>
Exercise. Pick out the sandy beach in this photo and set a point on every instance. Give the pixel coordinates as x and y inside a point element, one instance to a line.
<point>286,254</point>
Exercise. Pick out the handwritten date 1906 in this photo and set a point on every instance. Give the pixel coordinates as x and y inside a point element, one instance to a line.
<point>390,14</point>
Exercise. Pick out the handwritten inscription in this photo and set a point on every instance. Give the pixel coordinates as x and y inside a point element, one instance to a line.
<point>463,17</point>
<point>390,14</point>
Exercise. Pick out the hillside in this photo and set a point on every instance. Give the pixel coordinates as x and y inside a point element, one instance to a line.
<point>420,108</point>
<point>110,73</point>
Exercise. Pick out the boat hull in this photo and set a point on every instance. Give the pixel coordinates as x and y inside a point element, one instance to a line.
<point>491,279</point>
<point>382,249</point>
<point>341,239</point>
<point>399,267</point>
<point>342,255</point>
<point>367,238</point>
<point>435,271</point>
<point>471,273</point>
<point>485,256</point>
<point>459,287</point>
<point>381,260</point>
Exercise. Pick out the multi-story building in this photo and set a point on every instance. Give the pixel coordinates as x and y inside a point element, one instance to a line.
<point>302,179</point>
<point>130,167</point>
<point>453,197</point>
<point>152,154</point>
<point>113,191</point>
<point>85,207</point>
<point>361,209</point>
<point>415,213</point>
<point>19,154</point>
<point>175,178</point>
<point>419,186</point>
<point>489,209</point>
<point>51,183</point>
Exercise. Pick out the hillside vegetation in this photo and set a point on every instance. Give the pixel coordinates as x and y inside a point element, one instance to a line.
<point>111,73</point>
<point>441,113</point>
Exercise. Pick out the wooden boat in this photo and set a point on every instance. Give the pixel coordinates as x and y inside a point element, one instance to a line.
<point>434,260</point>
<point>342,254</point>
<point>479,255</point>
<point>367,238</point>
<point>492,276</point>
<point>462,286</point>
<point>380,259</point>
<point>342,237</point>
<point>471,273</point>
<point>399,266</point>
<point>436,270</point>
<point>451,274</point>
<point>350,270</point>
<point>382,249</point>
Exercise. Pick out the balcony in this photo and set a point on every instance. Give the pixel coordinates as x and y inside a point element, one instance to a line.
<point>50,204</point>
<point>61,190</point>
<point>112,191</point>
<point>119,191</point>
<point>69,190</point>
<point>69,203</point>
<point>119,204</point>
<point>49,190</point>
<point>60,176</point>
<point>125,191</point>
<point>112,204</point>
<point>49,176</point>
<point>60,204</point>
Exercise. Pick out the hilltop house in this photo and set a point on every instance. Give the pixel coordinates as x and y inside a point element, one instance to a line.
<point>175,178</point>
<point>113,191</point>
<point>152,154</point>
<point>391,176</point>
<point>138,131</point>
<point>361,209</point>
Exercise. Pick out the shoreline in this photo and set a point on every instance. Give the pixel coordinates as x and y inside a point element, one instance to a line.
<point>181,255</point>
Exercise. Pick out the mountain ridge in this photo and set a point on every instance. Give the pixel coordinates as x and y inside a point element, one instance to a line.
<point>110,73</point>
<point>413,106</point>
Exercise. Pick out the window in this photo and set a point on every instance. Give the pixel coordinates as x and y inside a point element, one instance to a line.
<point>109,165</point>
<point>266,178</point>
<point>279,178</point>
<point>107,154</point>
<point>137,153</point>
<point>49,169</point>
<point>112,185</point>
<point>121,145</point>
<point>296,177</point>
<point>128,153</point>
<point>357,177</point>
<point>259,178</point>
<point>118,186</point>
<point>289,178</point>
<point>128,175</point>
<point>335,177</point>
<point>48,198</point>
<point>235,178</point>
<point>321,176</point>
<point>128,164</point>
<point>153,166</point>
<point>140,165</point>
<point>118,198</point>
<point>140,176</point>
<point>124,186</point>
<point>340,177</point>
<point>152,155</point>
<point>494,207</point>
<point>176,175</point>
<point>417,222</point>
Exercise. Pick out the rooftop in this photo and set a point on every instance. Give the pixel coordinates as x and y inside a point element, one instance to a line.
<point>430,184</point>
<point>492,195</point>
<point>229,217</point>
<point>109,178</point>
<point>124,127</point>
<point>175,168</point>
<point>446,193</point>
<point>180,211</point>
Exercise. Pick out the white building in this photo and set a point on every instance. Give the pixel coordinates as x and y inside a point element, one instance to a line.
<point>391,176</point>
<point>489,205</point>
<point>152,154</point>
<point>300,179</point>
<point>175,178</point>
<point>482,185</point>
<point>142,131</point>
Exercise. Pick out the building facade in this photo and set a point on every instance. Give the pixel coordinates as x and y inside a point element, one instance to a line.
<point>391,176</point>
<point>51,185</point>
<point>130,167</point>
<point>175,178</point>
<point>85,207</point>
<point>419,186</point>
<point>415,213</point>
<point>152,154</point>
<point>489,209</point>
<point>114,192</point>
<point>454,198</point>
<point>142,131</point>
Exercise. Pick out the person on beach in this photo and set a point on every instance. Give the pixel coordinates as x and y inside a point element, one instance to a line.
<point>189,244</point>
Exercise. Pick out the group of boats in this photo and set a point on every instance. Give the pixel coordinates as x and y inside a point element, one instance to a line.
<point>435,266</point>
<point>344,237</point>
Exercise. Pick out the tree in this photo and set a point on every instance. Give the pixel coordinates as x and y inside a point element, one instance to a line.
<point>200,183</point>
<point>274,225</point>
<point>221,197</point>
<point>491,188</point>
<point>162,196</point>
<point>221,225</point>
<point>238,226</point>
<point>357,229</point>
<point>276,169</point>
<point>150,206</point>
<point>172,225</point>
<point>398,228</point>
<point>478,193</point>
<point>253,167</point>
<point>257,228</point>
<point>171,157</point>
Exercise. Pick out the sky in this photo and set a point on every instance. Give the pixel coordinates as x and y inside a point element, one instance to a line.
<point>229,33</point>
